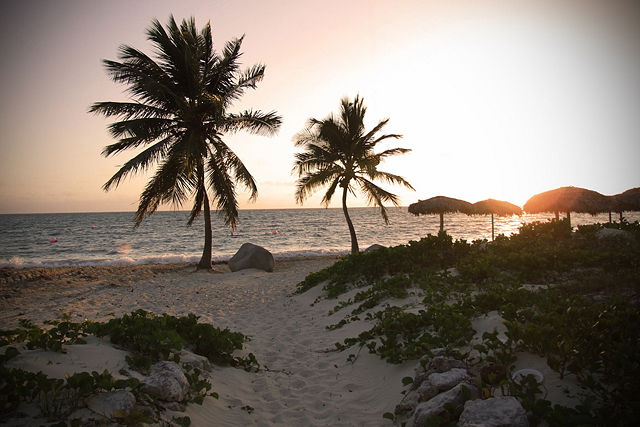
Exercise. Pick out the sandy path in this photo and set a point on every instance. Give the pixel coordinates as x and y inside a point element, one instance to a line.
<point>303,385</point>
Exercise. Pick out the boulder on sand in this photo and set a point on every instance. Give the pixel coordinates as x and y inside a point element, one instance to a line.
<point>166,382</point>
<point>252,256</point>
<point>112,404</point>
<point>494,412</point>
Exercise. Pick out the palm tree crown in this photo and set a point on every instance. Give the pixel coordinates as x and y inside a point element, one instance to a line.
<point>178,113</point>
<point>339,152</point>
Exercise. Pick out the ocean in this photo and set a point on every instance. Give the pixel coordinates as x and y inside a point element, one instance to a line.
<point>73,239</point>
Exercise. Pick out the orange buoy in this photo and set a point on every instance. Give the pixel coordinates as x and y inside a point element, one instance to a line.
<point>53,240</point>
<point>274,232</point>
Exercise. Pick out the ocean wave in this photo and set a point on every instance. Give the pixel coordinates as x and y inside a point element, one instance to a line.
<point>19,262</point>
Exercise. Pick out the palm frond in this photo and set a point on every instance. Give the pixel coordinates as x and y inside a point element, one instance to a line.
<point>232,162</point>
<point>148,129</point>
<point>256,122</point>
<point>129,110</point>
<point>391,152</point>
<point>368,137</point>
<point>247,80</point>
<point>307,184</point>
<point>172,183</point>
<point>223,190</point>
<point>377,196</point>
<point>140,162</point>
<point>326,199</point>
<point>316,158</point>
<point>390,178</point>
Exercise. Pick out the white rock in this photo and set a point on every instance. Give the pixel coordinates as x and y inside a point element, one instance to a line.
<point>447,380</point>
<point>435,405</point>
<point>443,364</point>
<point>195,360</point>
<point>426,391</point>
<point>166,382</point>
<point>494,412</point>
<point>112,404</point>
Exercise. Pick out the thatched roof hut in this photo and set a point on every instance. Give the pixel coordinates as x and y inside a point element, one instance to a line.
<point>626,201</point>
<point>569,199</point>
<point>495,207</point>
<point>440,205</point>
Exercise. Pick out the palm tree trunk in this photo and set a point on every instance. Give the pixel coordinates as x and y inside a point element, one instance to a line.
<point>352,231</point>
<point>205,261</point>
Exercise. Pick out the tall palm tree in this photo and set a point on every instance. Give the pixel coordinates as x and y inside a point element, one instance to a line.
<point>178,112</point>
<point>337,151</point>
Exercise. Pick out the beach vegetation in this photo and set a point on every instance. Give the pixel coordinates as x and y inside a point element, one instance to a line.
<point>339,152</point>
<point>53,337</point>
<point>179,113</point>
<point>568,296</point>
<point>57,397</point>
<point>148,337</point>
<point>153,337</point>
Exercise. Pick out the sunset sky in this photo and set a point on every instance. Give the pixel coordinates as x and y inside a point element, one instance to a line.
<point>500,99</point>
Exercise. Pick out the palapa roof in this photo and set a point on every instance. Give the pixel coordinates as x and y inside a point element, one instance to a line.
<point>569,199</point>
<point>496,207</point>
<point>438,205</point>
<point>628,200</point>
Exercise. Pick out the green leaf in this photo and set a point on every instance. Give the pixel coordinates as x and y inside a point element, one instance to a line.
<point>407,381</point>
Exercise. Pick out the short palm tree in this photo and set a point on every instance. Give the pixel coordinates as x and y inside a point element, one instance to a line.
<point>178,113</point>
<point>338,152</point>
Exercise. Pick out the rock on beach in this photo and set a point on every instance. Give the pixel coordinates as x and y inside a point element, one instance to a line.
<point>252,256</point>
<point>166,382</point>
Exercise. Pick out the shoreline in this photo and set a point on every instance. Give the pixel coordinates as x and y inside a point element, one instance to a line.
<point>45,293</point>
<point>17,274</point>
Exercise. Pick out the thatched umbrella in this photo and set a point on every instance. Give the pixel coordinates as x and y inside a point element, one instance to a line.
<point>569,199</point>
<point>495,207</point>
<point>626,201</point>
<point>439,205</point>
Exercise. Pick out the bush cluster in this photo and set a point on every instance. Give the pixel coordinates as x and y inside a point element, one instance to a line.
<point>583,318</point>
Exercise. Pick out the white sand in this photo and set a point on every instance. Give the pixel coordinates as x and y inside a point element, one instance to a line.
<point>305,384</point>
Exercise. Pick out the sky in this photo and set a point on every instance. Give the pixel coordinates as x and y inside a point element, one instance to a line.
<point>496,99</point>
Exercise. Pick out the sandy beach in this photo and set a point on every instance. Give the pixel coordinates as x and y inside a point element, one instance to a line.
<point>302,379</point>
<point>303,383</point>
